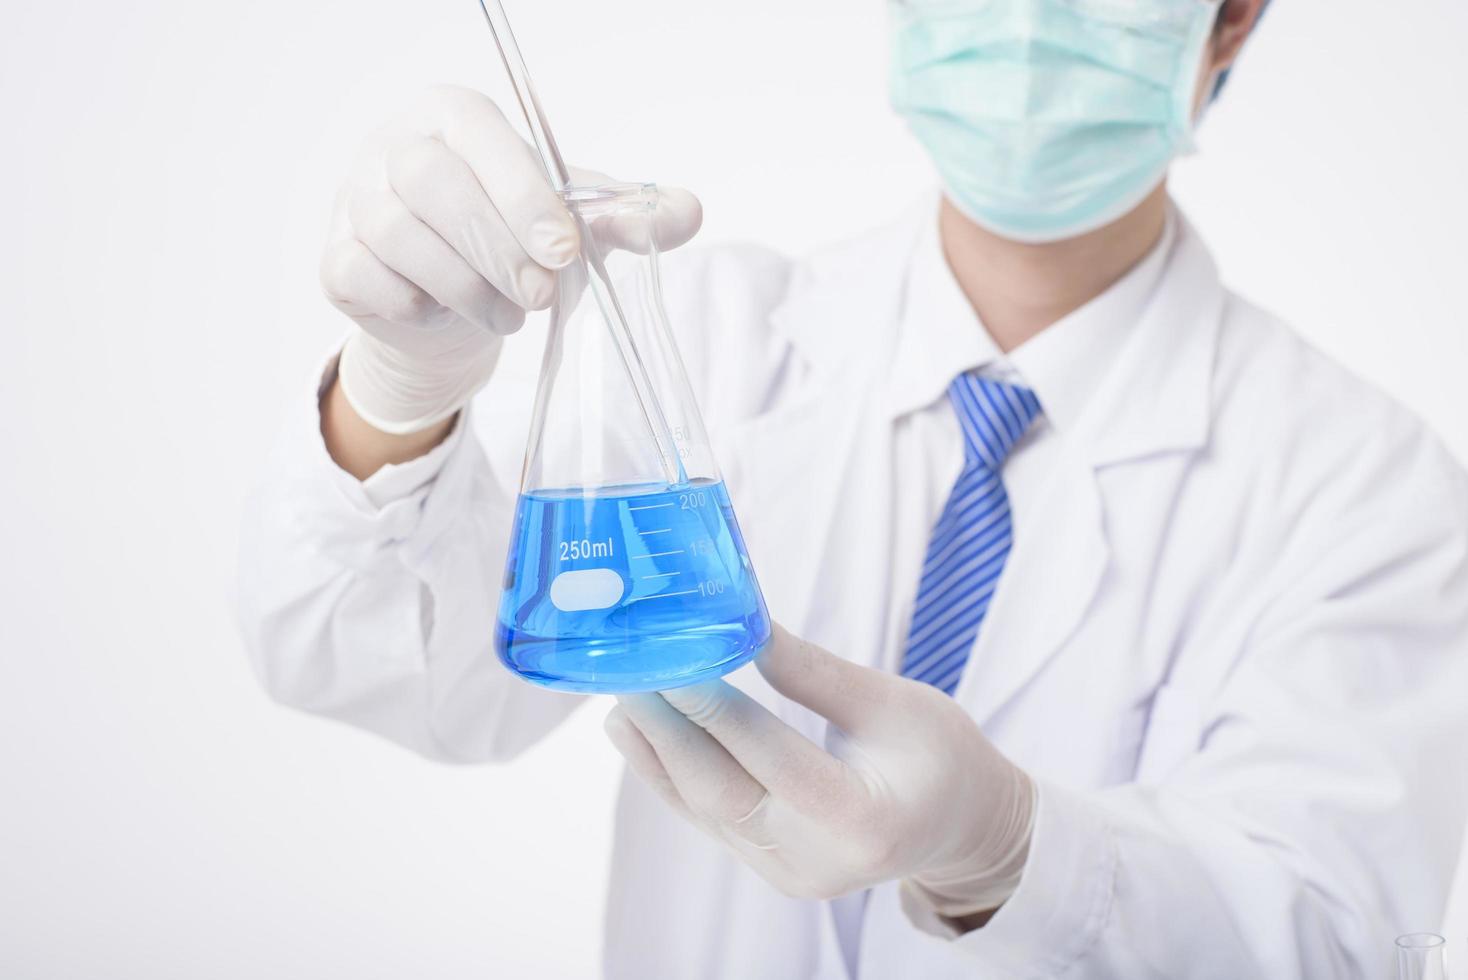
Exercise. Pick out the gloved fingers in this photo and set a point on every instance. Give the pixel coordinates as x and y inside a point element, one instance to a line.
<point>713,784</point>
<point>765,858</point>
<point>638,751</point>
<point>796,869</point>
<point>413,250</point>
<point>438,187</point>
<point>360,285</point>
<point>676,219</point>
<point>635,748</point>
<point>852,697</point>
<point>585,177</point>
<point>473,127</point>
<point>789,765</point>
<point>755,849</point>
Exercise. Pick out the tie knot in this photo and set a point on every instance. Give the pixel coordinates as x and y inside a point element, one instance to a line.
<point>993,416</point>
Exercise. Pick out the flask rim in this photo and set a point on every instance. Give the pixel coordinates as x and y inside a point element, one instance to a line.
<point>1420,940</point>
<point>593,200</point>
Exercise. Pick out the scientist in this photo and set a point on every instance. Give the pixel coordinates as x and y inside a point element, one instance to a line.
<point>1156,624</point>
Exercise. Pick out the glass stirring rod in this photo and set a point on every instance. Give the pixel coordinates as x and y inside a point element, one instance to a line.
<point>598,280</point>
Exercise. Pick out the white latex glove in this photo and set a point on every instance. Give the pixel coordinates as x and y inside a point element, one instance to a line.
<point>445,233</point>
<point>910,788</point>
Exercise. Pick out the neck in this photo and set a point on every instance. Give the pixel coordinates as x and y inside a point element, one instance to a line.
<point>1018,290</point>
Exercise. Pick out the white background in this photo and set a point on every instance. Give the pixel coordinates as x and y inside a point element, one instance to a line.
<point>166,174</point>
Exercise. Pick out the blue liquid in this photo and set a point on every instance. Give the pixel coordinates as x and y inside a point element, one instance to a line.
<point>623,589</point>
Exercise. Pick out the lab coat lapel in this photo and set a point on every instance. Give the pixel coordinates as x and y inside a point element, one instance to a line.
<point>1049,581</point>
<point>1153,403</point>
<point>791,502</point>
<point>805,526</point>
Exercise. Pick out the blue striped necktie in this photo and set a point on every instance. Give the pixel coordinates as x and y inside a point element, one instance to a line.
<point>972,538</point>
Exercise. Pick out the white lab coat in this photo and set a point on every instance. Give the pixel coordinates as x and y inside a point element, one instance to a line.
<point>1231,643</point>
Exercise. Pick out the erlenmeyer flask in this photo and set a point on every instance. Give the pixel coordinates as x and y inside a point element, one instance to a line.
<point>626,571</point>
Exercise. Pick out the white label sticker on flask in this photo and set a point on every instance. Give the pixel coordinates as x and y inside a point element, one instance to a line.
<point>586,588</point>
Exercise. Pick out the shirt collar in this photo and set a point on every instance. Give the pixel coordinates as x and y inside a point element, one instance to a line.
<point>940,336</point>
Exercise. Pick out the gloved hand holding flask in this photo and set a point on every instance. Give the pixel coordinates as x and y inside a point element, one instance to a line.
<point>907,788</point>
<point>443,236</point>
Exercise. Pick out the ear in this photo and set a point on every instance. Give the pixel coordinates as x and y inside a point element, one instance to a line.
<point>1236,19</point>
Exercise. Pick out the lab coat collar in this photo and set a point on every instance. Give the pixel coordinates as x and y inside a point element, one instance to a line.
<point>1116,386</point>
<point>1065,363</point>
<point>1157,395</point>
<point>842,301</point>
<point>938,334</point>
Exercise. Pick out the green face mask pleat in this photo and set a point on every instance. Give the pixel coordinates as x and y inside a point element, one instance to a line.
<point>1049,118</point>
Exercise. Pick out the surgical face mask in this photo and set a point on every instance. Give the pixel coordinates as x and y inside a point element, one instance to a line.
<point>1049,118</point>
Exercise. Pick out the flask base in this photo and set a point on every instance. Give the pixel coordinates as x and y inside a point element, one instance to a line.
<point>592,681</point>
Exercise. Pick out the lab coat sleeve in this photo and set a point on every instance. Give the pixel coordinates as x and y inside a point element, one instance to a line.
<point>374,604</point>
<point>1317,798</point>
